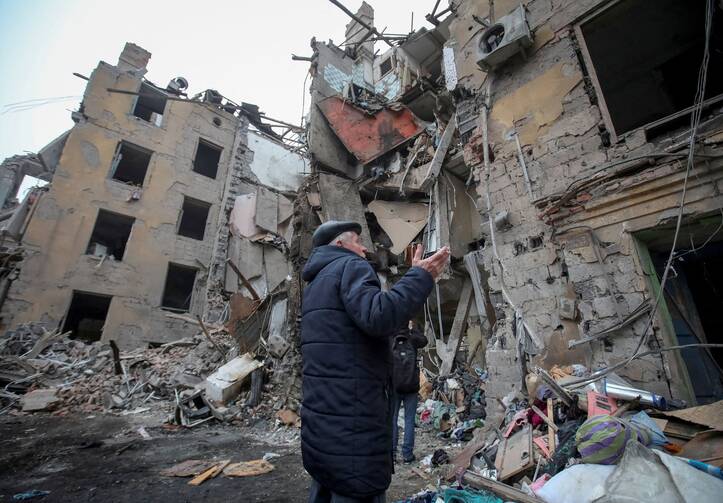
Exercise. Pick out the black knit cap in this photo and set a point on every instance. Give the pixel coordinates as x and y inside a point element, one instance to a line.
<point>331,229</point>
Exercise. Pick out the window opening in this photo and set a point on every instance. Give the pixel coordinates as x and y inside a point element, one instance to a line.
<point>179,287</point>
<point>86,316</point>
<point>207,157</point>
<point>643,58</point>
<point>150,104</point>
<point>386,66</point>
<point>194,214</point>
<point>131,163</point>
<point>110,235</point>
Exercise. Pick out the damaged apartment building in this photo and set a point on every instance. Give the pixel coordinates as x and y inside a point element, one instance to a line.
<point>152,197</point>
<point>548,143</point>
<point>568,152</point>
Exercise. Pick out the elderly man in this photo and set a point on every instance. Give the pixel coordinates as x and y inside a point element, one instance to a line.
<point>346,326</point>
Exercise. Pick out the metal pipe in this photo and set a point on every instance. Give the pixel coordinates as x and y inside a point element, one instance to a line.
<point>627,393</point>
<point>523,165</point>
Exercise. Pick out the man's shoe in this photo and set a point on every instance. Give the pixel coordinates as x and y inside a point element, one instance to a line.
<point>410,459</point>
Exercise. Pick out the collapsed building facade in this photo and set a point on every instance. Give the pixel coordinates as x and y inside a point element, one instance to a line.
<point>547,143</point>
<point>130,239</point>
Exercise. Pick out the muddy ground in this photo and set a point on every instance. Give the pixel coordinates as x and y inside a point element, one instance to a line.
<point>105,459</point>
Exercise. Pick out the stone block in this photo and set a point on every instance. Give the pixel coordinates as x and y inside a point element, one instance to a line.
<point>40,399</point>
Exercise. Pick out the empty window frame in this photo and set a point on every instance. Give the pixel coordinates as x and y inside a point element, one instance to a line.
<point>131,163</point>
<point>643,58</point>
<point>178,291</point>
<point>86,316</point>
<point>150,104</point>
<point>192,222</point>
<point>110,234</point>
<point>207,157</point>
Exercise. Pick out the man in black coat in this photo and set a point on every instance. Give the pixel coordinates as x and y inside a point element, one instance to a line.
<point>346,326</point>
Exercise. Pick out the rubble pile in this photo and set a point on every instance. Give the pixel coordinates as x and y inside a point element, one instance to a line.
<point>87,377</point>
<point>565,438</point>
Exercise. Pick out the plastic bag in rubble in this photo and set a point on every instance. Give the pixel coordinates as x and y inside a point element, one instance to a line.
<point>577,484</point>
<point>645,475</point>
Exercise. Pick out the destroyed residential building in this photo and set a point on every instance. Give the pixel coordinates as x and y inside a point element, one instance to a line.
<point>535,139</point>
<point>548,146</point>
<point>129,241</point>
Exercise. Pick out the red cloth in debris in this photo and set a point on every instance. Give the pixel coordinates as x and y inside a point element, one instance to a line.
<point>534,419</point>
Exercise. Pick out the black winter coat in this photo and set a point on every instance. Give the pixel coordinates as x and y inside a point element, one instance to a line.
<point>347,321</point>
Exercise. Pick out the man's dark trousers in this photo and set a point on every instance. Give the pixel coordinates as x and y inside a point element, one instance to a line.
<point>319,494</point>
<point>410,413</point>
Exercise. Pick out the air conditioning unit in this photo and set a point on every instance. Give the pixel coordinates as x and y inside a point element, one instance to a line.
<point>506,37</point>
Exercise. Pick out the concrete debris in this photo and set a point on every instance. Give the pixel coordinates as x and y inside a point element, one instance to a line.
<point>225,383</point>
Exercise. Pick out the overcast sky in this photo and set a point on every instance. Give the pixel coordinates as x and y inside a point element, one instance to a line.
<point>241,48</point>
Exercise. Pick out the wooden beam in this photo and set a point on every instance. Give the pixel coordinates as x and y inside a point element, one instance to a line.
<point>243,279</point>
<point>448,351</point>
<point>508,493</point>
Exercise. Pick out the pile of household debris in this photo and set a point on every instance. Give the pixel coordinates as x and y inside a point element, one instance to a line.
<point>569,439</point>
<point>195,379</point>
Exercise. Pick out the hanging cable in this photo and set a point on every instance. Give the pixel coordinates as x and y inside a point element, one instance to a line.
<point>695,121</point>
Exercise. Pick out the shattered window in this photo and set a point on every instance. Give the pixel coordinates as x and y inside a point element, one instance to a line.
<point>150,104</point>
<point>194,214</point>
<point>644,58</point>
<point>179,287</point>
<point>207,157</point>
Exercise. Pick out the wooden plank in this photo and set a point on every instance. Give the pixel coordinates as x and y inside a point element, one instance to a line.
<point>210,473</point>
<point>438,159</point>
<point>508,493</point>
<point>551,431</point>
<point>544,417</point>
<point>447,351</point>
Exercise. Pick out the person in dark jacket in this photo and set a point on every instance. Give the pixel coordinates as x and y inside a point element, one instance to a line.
<point>405,384</point>
<point>346,326</point>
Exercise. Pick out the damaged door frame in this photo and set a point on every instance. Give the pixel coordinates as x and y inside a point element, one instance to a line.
<point>669,336</point>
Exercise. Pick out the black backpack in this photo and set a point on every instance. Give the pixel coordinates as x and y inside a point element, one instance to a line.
<point>405,376</point>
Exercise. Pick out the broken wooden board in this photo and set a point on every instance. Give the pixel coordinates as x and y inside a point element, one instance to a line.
<point>706,446</point>
<point>369,136</point>
<point>705,415</point>
<point>401,221</point>
<point>340,200</point>
<point>508,493</point>
<point>210,473</point>
<point>188,468</point>
<point>462,460</point>
<point>447,351</point>
<point>436,165</point>
<point>515,454</point>
<point>248,468</point>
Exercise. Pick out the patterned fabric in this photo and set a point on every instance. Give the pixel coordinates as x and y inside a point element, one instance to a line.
<point>602,439</point>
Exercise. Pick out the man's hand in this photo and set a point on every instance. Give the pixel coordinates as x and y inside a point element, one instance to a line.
<point>434,265</point>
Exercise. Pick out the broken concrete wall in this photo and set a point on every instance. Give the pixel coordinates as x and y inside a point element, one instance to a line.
<point>583,250</point>
<point>58,235</point>
<point>274,164</point>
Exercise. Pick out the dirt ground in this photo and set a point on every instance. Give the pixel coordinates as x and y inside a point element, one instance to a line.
<point>104,459</point>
